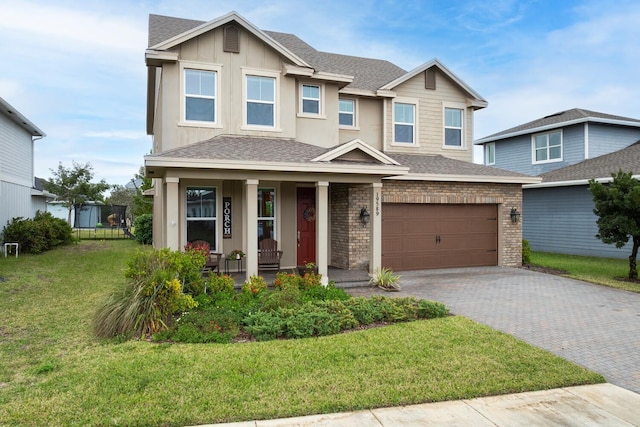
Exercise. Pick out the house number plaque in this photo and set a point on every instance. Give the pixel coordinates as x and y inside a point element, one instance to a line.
<point>226,217</point>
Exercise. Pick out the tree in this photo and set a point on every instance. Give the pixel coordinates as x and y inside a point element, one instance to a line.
<point>617,206</point>
<point>141,204</point>
<point>72,185</point>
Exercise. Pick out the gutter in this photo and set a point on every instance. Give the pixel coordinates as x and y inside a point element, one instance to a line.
<point>571,183</point>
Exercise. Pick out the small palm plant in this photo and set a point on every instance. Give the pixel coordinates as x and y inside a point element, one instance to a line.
<point>385,278</point>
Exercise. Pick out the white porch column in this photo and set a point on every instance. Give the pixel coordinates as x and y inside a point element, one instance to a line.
<point>322,230</point>
<point>173,213</point>
<point>375,208</point>
<point>251,227</point>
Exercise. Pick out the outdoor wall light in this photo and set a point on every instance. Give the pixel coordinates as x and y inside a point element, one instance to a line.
<point>515,215</point>
<point>364,216</point>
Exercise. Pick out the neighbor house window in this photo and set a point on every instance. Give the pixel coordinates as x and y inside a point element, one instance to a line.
<point>490,153</point>
<point>310,99</point>
<point>200,95</point>
<point>404,123</point>
<point>261,101</point>
<point>453,127</point>
<point>547,147</point>
<point>347,112</point>
<point>201,215</point>
<point>266,213</point>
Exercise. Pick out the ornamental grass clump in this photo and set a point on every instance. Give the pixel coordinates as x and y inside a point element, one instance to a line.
<point>151,296</point>
<point>386,279</point>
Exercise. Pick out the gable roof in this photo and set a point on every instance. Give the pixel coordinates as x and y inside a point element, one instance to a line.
<point>560,119</point>
<point>599,168</point>
<point>479,101</point>
<point>22,121</point>
<point>360,74</point>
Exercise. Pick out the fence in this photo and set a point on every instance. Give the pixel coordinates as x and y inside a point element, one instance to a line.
<point>103,233</point>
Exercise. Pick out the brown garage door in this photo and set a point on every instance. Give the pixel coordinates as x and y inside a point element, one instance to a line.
<point>420,236</point>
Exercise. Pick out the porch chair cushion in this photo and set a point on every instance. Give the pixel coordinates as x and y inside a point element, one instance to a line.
<point>268,254</point>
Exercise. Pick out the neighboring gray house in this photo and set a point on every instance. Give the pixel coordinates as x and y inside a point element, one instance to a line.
<point>19,195</point>
<point>566,150</point>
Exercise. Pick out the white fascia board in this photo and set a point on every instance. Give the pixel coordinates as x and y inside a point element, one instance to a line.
<point>557,126</point>
<point>342,78</point>
<point>157,57</point>
<point>168,162</point>
<point>386,93</point>
<point>356,92</point>
<point>434,62</point>
<point>572,182</point>
<point>467,178</point>
<point>293,70</point>
<point>232,16</point>
<point>15,115</point>
<point>353,145</point>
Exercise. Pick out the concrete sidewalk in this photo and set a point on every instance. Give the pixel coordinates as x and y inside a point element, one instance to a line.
<point>590,405</point>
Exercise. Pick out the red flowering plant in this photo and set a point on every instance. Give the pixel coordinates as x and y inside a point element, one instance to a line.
<point>254,285</point>
<point>285,280</point>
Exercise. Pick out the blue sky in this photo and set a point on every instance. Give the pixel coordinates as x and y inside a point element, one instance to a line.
<point>76,68</point>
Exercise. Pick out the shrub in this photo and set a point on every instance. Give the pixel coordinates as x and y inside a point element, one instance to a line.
<point>286,297</point>
<point>364,310</point>
<point>287,280</point>
<point>143,225</point>
<point>254,285</point>
<point>264,325</point>
<point>325,293</point>
<point>431,309</point>
<point>151,296</point>
<point>309,320</point>
<point>385,278</point>
<point>344,316</point>
<point>203,326</point>
<point>39,234</point>
<point>526,252</point>
<point>221,285</point>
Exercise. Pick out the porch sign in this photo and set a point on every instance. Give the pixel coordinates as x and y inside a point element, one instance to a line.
<point>226,217</point>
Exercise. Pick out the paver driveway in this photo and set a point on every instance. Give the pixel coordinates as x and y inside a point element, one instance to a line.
<point>594,326</point>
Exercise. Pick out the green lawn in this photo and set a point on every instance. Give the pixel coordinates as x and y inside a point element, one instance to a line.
<point>54,372</point>
<point>604,271</point>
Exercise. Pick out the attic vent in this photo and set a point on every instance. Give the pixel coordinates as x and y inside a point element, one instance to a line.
<point>430,78</point>
<point>231,39</point>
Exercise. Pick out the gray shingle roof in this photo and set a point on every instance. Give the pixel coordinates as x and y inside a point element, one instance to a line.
<point>368,73</point>
<point>284,150</point>
<point>560,118</point>
<point>244,148</point>
<point>440,165</point>
<point>627,159</point>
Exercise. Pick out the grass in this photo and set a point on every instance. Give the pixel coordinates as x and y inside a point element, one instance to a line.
<point>603,271</point>
<point>54,372</point>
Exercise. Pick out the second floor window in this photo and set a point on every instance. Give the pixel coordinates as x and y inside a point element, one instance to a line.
<point>453,127</point>
<point>200,95</point>
<point>347,111</point>
<point>311,99</point>
<point>547,147</point>
<point>261,101</point>
<point>403,123</point>
<point>490,153</point>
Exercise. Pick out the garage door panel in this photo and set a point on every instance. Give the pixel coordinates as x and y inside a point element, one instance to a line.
<point>419,236</point>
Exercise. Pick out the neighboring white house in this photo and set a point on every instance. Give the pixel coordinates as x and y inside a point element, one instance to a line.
<point>19,196</point>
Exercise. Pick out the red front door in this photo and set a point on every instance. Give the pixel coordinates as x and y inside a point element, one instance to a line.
<point>306,225</point>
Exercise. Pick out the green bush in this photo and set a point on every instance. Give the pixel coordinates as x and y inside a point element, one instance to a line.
<point>143,225</point>
<point>325,293</point>
<point>431,309</point>
<point>307,321</point>
<point>285,297</point>
<point>264,326</point>
<point>254,285</point>
<point>344,316</point>
<point>39,234</point>
<point>526,252</point>
<point>221,285</point>
<point>203,326</point>
<point>151,296</point>
<point>364,310</point>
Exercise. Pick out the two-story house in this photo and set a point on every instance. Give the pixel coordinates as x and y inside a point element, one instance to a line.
<point>21,195</point>
<point>346,161</point>
<point>565,150</point>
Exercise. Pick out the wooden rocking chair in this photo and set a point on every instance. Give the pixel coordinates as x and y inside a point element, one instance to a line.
<point>213,262</point>
<point>268,254</point>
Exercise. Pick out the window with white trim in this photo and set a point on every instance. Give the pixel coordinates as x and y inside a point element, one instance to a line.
<point>261,101</point>
<point>202,218</point>
<point>347,112</point>
<point>266,213</point>
<point>490,153</point>
<point>200,95</point>
<point>453,131</point>
<point>404,118</point>
<point>310,99</point>
<point>547,147</point>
